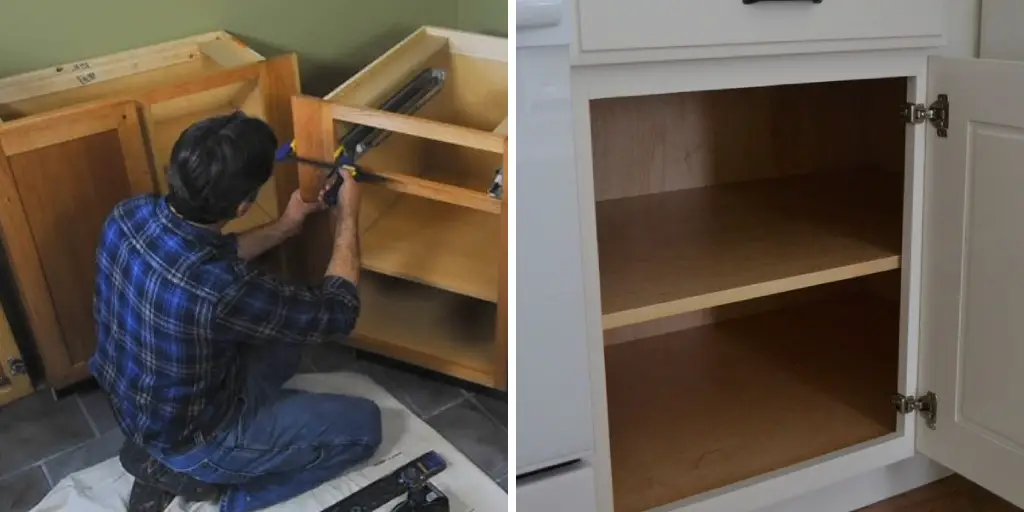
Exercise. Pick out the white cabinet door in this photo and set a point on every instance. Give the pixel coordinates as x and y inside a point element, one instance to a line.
<point>972,348</point>
<point>554,422</point>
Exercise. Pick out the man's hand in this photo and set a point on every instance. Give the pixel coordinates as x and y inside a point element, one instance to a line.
<point>295,213</point>
<point>348,196</point>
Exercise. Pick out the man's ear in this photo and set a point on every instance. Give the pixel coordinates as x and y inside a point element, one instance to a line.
<point>243,209</point>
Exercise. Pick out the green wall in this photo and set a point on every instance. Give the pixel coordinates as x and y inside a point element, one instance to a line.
<point>334,38</point>
<point>484,16</point>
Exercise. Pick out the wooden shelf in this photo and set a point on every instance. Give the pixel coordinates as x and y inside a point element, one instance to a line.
<point>674,252</point>
<point>442,245</point>
<point>442,331</point>
<point>429,229</point>
<point>699,409</point>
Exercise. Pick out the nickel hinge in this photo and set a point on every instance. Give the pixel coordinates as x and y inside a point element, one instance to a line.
<point>937,114</point>
<point>927,405</point>
<point>17,367</point>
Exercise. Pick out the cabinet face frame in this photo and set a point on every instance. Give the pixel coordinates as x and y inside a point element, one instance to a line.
<point>590,83</point>
<point>35,133</point>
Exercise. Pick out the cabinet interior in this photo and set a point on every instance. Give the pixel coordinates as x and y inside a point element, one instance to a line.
<point>749,251</point>
<point>432,293</point>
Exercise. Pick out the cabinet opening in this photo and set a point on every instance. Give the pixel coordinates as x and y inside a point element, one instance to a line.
<point>712,197</point>
<point>749,247</point>
<point>443,331</point>
<point>474,95</point>
<point>715,397</point>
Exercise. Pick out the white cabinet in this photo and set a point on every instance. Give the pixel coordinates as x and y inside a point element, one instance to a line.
<point>654,29</point>
<point>773,257</point>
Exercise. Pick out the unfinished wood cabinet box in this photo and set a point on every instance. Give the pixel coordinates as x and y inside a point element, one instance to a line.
<point>177,83</point>
<point>67,163</point>
<point>749,252</point>
<point>433,240</point>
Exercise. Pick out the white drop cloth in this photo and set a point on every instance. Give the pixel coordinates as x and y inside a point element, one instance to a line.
<point>105,487</point>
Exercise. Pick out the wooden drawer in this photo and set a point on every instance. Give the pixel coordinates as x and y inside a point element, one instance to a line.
<point>831,24</point>
<point>433,239</point>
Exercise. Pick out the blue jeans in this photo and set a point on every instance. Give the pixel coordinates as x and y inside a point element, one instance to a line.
<point>285,442</point>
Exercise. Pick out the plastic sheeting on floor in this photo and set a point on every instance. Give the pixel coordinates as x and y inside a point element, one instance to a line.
<point>105,487</point>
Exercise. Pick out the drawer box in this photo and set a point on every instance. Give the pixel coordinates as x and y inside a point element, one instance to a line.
<point>606,25</point>
<point>433,239</point>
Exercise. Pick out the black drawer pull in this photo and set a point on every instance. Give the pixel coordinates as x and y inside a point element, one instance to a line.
<point>748,2</point>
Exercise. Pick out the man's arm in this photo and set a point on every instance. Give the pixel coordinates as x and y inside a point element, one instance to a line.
<point>256,241</point>
<point>265,309</point>
<point>262,308</point>
<point>345,257</point>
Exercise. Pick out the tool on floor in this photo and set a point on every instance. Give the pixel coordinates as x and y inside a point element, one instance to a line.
<point>361,139</point>
<point>412,479</point>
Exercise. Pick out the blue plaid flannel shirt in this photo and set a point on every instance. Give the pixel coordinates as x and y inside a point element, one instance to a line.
<point>174,305</point>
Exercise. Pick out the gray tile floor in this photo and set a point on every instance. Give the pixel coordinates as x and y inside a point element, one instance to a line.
<point>42,440</point>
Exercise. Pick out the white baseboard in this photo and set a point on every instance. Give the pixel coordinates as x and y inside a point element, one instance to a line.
<point>861,491</point>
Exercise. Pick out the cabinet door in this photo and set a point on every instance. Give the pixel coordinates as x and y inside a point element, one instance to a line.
<point>972,344</point>
<point>61,174</point>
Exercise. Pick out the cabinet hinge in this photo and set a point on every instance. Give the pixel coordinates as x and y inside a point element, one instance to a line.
<point>14,368</point>
<point>927,405</point>
<point>937,114</point>
<point>17,367</point>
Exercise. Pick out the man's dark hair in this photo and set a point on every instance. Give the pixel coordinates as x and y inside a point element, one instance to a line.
<point>217,164</point>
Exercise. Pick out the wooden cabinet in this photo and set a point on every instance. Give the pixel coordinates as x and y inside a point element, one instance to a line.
<point>69,160</point>
<point>789,284</point>
<point>433,240</point>
<point>60,175</point>
<point>615,31</point>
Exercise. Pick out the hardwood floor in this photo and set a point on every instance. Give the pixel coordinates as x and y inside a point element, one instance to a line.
<point>952,494</point>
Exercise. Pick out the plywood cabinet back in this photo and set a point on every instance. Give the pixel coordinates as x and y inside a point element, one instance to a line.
<point>650,144</point>
<point>61,174</point>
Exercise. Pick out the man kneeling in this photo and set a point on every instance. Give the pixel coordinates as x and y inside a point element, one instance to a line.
<point>195,343</point>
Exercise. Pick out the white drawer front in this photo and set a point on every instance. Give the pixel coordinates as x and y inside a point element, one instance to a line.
<point>650,24</point>
<point>565,491</point>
